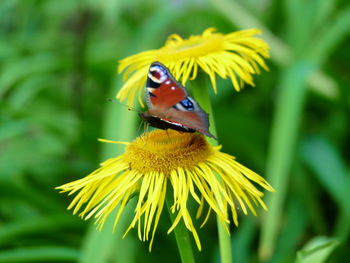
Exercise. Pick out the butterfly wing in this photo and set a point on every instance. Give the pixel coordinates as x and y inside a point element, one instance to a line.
<point>162,90</point>
<point>169,101</point>
<point>189,114</point>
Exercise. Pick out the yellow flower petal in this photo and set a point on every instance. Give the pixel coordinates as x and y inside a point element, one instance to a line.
<point>236,55</point>
<point>194,169</point>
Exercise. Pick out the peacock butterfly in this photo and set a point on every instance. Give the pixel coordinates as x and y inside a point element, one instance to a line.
<point>169,106</point>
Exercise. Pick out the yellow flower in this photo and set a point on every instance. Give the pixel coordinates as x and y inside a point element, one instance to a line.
<point>185,162</point>
<point>236,55</point>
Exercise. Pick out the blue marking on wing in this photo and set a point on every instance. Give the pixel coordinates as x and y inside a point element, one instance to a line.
<point>187,104</point>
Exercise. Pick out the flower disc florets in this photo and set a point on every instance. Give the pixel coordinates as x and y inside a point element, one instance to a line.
<point>164,152</point>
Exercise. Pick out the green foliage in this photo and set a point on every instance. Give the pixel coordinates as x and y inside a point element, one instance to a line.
<point>58,63</point>
<point>317,250</point>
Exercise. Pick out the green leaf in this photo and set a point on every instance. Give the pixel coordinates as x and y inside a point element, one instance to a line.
<point>42,254</point>
<point>325,161</point>
<point>29,88</point>
<point>36,226</point>
<point>22,68</point>
<point>293,230</point>
<point>317,250</point>
<point>329,168</point>
<point>332,35</point>
<point>11,129</point>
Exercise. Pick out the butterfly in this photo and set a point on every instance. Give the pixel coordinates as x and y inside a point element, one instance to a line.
<point>170,106</point>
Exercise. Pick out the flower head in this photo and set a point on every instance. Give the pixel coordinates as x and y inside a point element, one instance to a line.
<point>185,162</point>
<point>236,55</point>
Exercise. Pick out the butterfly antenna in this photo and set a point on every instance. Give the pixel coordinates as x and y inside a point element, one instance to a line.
<point>125,105</point>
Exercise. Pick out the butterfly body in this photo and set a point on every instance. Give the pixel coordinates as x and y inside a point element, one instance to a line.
<point>170,106</point>
<point>160,123</point>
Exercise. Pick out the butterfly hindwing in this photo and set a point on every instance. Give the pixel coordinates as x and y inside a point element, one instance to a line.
<point>188,113</point>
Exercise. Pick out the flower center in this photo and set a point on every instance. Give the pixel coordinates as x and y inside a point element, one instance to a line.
<point>195,46</point>
<point>165,151</point>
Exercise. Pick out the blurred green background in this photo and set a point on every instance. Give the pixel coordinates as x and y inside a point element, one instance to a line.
<point>58,67</point>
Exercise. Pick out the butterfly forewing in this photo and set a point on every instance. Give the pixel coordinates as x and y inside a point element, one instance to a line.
<point>162,90</point>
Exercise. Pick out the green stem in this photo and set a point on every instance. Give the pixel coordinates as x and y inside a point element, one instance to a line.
<point>200,92</point>
<point>284,133</point>
<point>182,236</point>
